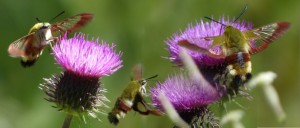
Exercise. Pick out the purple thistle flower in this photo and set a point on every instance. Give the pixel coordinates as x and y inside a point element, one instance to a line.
<point>77,90</point>
<point>87,58</point>
<point>195,35</point>
<point>189,98</point>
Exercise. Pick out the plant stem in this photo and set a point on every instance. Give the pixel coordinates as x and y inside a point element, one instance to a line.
<point>67,121</point>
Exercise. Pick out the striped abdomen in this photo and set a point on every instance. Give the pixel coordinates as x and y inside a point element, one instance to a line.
<point>239,64</point>
<point>119,111</point>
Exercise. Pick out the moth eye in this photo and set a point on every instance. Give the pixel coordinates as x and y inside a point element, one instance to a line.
<point>44,27</point>
<point>143,82</point>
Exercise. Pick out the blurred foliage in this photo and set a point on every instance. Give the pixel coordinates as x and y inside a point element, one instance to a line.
<point>139,29</point>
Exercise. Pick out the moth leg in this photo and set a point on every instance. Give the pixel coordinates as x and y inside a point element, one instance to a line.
<point>186,44</point>
<point>52,40</point>
<point>139,99</point>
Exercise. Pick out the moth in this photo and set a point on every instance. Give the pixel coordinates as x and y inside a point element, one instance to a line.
<point>237,49</point>
<point>31,46</point>
<point>132,98</point>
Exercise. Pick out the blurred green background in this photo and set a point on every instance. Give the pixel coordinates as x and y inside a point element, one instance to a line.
<point>139,28</point>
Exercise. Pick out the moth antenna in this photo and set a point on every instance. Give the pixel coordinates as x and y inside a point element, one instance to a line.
<point>151,77</point>
<point>243,11</point>
<point>214,20</point>
<point>38,20</point>
<point>221,29</point>
<point>57,15</point>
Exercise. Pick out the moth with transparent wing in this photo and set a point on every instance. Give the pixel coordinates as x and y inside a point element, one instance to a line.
<point>237,48</point>
<point>31,46</point>
<point>132,97</point>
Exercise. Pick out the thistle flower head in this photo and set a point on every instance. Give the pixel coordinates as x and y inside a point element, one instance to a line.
<point>77,90</point>
<point>189,98</point>
<point>87,57</point>
<point>196,34</point>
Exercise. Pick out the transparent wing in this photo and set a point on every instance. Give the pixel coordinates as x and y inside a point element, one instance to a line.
<point>217,40</point>
<point>265,35</point>
<point>19,47</point>
<point>137,71</point>
<point>72,24</point>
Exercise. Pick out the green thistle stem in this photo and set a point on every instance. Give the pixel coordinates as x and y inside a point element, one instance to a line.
<point>67,121</point>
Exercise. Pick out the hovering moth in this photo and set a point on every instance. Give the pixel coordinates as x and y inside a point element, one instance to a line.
<point>236,48</point>
<point>31,46</point>
<point>132,98</point>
